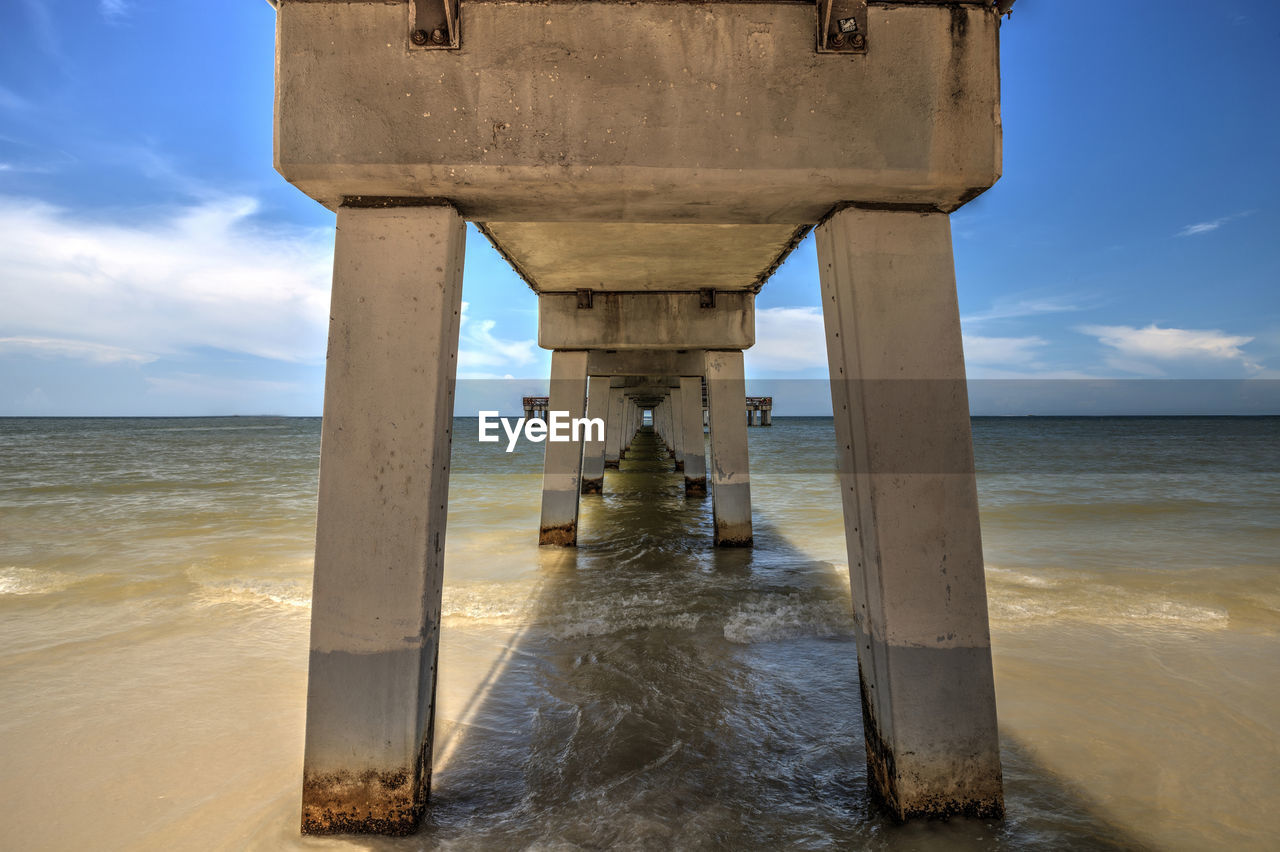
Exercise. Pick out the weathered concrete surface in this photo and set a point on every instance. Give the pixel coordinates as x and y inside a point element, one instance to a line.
<point>380,530</point>
<point>613,428</point>
<point>593,450</point>
<point>730,474</point>
<point>695,458</point>
<point>676,425</point>
<point>646,321</point>
<point>562,462</point>
<point>640,112</point>
<point>565,256</point>
<point>911,511</point>
<point>641,362</point>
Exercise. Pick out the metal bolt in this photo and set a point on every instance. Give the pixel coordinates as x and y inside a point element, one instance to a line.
<point>418,37</point>
<point>859,42</point>
<point>437,36</point>
<point>836,39</point>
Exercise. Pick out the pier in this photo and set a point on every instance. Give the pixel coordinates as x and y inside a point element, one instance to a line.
<point>645,168</point>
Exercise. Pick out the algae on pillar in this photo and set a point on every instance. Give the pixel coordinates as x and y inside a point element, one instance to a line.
<point>380,526</point>
<point>911,512</point>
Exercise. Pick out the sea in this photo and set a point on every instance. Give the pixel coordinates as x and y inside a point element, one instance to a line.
<point>645,690</point>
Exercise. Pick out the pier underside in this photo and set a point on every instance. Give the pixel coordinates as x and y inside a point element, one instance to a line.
<point>645,167</point>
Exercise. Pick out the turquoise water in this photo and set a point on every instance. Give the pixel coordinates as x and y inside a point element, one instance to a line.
<point>646,690</point>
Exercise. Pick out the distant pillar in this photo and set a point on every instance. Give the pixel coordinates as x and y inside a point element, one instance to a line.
<point>562,463</point>
<point>730,479</point>
<point>911,512</point>
<point>380,529</point>
<point>766,417</point>
<point>695,458</point>
<point>592,450</point>
<point>677,427</point>
<point>613,429</point>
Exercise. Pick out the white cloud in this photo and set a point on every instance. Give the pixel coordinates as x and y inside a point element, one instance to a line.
<point>479,348</point>
<point>1209,226</point>
<point>789,339</point>
<point>114,10</point>
<point>48,347</point>
<point>1137,348</point>
<point>202,276</point>
<point>1010,309</point>
<point>1003,351</point>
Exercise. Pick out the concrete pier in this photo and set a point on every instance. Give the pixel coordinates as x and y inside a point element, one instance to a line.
<point>380,526</point>
<point>592,449</point>
<point>911,511</point>
<point>730,476</point>
<point>645,168</point>
<point>562,466</point>
<point>695,459</point>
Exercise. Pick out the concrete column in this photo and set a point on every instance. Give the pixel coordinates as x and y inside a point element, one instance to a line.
<point>380,527</point>
<point>695,458</point>
<point>613,440</point>
<point>592,450</point>
<point>911,512</point>
<point>562,463</point>
<point>676,426</point>
<point>766,417</point>
<point>730,479</point>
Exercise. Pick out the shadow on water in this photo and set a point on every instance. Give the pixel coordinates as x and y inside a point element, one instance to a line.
<point>666,694</point>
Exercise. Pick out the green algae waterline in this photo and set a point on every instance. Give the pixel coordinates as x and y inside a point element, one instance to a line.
<point>645,690</point>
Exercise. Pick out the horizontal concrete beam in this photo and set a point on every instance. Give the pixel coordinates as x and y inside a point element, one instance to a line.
<point>645,362</point>
<point>646,321</point>
<point>639,112</point>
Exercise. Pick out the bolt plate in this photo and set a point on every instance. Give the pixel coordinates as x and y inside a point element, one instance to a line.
<point>842,26</point>
<point>439,20</point>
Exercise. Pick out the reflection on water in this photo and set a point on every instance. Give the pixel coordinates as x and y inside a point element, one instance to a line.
<point>644,690</point>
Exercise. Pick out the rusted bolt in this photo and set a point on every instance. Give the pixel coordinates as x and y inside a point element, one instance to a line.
<point>418,36</point>
<point>437,36</point>
<point>836,39</point>
<point>859,42</point>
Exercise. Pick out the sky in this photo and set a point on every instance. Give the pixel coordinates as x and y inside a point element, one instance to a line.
<point>152,262</point>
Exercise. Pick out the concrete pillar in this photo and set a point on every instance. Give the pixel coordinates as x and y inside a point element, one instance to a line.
<point>695,458</point>
<point>911,512</point>
<point>562,463</point>
<point>730,479</point>
<point>766,417</point>
<point>380,528</point>
<point>677,427</point>
<point>592,450</point>
<point>613,439</point>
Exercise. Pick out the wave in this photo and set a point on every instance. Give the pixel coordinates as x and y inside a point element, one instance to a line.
<point>33,581</point>
<point>775,617</point>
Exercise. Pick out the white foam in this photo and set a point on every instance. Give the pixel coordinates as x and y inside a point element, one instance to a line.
<point>287,594</point>
<point>792,616</point>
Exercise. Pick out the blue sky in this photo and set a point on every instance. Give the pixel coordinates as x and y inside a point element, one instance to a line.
<point>152,262</point>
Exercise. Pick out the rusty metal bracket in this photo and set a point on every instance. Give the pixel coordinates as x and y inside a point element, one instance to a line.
<point>842,26</point>
<point>584,299</point>
<point>434,24</point>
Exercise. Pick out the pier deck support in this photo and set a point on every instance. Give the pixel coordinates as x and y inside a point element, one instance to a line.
<point>677,427</point>
<point>592,450</point>
<point>695,447</point>
<point>614,426</point>
<point>730,477</point>
<point>911,512</point>
<point>384,480</point>
<point>562,464</point>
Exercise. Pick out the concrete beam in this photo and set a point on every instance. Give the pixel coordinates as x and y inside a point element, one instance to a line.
<point>645,362</point>
<point>380,528</point>
<point>730,472</point>
<point>562,462</point>
<point>646,321</point>
<point>911,512</point>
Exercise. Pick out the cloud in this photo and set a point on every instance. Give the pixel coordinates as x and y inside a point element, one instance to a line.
<point>789,339</point>
<point>1011,309</point>
<point>114,10</point>
<point>201,276</point>
<point>47,347</point>
<point>1002,351</point>
<point>1137,348</point>
<point>1207,227</point>
<point>479,348</point>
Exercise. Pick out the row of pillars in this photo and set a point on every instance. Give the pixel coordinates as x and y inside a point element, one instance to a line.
<point>905,467</point>
<point>676,413</point>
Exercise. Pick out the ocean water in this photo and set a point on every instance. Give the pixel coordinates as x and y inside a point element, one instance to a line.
<point>644,691</point>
